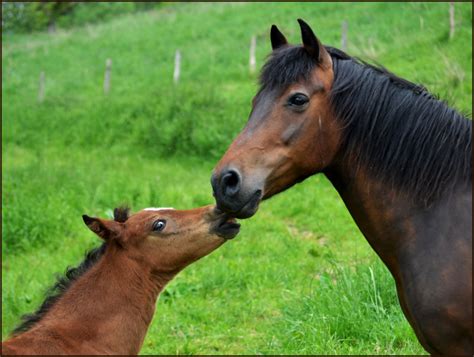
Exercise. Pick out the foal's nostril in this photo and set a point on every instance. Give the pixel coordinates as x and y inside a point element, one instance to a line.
<point>230,183</point>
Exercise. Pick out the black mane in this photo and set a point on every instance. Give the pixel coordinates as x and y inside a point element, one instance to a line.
<point>395,128</point>
<point>62,284</point>
<point>285,66</point>
<point>121,214</point>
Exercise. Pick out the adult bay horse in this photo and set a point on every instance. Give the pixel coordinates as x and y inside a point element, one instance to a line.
<point>105,305</point>
<point>399,158</point>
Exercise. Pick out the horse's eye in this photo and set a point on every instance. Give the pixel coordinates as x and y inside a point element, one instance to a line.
<point>298,100</point>
<point>159,225</point>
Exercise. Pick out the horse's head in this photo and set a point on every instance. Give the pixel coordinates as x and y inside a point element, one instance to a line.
<point>291,132</point>
<point>165,239</point>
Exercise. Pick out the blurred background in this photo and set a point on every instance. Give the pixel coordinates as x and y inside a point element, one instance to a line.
<point>106,104</point>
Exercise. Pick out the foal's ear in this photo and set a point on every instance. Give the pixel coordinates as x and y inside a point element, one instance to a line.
<point>105,229</point>
<point>277,38</point>
<point>312,44</point>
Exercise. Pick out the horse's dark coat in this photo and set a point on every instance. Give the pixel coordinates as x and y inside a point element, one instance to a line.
<point>413,140</point>
<point>400,159</point>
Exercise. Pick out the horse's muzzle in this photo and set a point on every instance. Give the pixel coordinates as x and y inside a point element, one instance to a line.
<point>232,196</point>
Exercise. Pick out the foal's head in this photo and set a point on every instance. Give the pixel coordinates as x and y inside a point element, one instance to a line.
<point>291,132</point>
<point>165,239</point>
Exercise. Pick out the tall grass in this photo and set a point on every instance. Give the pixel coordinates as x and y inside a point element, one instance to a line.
<point>209,105</point>
<point>345,310</point>
<point>300,278</point>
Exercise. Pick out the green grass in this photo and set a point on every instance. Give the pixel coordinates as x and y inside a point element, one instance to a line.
<point>300,278</point>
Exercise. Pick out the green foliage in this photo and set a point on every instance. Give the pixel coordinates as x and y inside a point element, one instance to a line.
<point>204,111</point>
<point>87,13</point>
<point>20,17</point>
<point>354,307</point>
<point>25,16</point>
<point>300,278</point>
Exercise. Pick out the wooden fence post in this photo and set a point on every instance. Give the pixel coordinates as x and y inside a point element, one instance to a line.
<point>451,20</point>
<point>252,60</point>
<point>107,75</point>
<point>41,87</point>
<point>177,67</point>
<point>344,35</point>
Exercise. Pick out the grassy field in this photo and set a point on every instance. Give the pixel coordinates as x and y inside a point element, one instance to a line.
<point>300,278</point>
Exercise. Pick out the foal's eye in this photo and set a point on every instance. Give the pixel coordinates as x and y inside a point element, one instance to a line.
<point>298,100</point>
<point>159,225</point>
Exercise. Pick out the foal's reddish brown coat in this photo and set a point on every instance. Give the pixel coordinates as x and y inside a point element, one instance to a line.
<point>109,308</point>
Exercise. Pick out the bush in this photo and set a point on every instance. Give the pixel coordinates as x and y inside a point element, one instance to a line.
<point>32,16</point>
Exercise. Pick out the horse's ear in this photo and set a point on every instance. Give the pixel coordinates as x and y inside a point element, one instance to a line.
<point>105,229</point>
<point>277,38</point>
<point>312,44</point>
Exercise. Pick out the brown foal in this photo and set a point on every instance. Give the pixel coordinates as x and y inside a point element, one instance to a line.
<point>107,306</point>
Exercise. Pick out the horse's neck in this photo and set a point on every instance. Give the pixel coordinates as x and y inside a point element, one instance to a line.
<point>382,214</point>
<point>110,307</point>
<point>392,222</point>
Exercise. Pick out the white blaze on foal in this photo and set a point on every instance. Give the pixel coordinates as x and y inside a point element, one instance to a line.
<point>157,208</point>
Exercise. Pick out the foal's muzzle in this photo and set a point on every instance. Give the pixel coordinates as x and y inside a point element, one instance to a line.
<point>232,196</point>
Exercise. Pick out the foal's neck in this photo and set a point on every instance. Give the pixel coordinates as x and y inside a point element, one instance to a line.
<point>111,306</point>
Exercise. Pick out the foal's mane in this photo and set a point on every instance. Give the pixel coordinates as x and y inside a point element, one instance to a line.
<point>63,283</point>
<point>392,127</point>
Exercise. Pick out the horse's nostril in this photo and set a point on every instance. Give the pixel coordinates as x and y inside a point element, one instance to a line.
<point>230,183</point>
<point>230,179</point>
